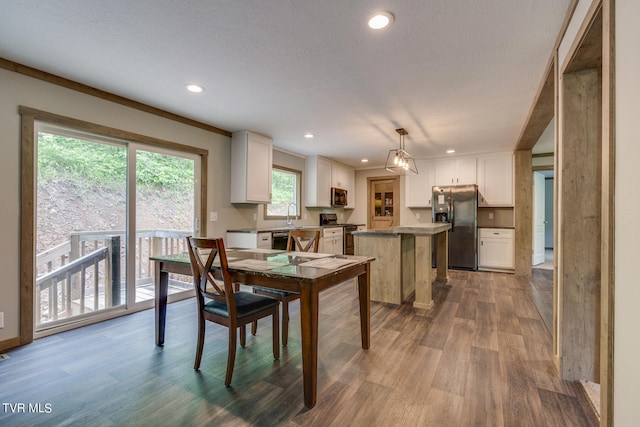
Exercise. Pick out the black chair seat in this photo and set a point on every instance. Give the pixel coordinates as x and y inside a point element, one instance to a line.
<point>247,304</point>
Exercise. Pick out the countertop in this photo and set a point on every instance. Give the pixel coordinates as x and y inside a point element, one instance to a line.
<point>270,229</point>
<point>284,228</point>
<point>418,229</point>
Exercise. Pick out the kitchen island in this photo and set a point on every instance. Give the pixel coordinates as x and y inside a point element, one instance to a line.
<point>403,261</point>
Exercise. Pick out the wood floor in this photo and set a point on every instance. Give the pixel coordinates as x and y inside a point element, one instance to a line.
<point>481,357</point>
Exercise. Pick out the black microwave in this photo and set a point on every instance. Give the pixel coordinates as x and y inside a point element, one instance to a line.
<point>338,197</point>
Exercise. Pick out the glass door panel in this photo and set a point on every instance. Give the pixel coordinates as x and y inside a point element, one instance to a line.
<point>81,218</point>
<point>165,206</point>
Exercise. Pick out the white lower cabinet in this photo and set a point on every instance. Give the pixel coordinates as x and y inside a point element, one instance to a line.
<point>249,240</point>
<point>332,241</point>
<point>496,249</point>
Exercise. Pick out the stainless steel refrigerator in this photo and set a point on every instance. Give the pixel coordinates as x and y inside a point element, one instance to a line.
<point>458,205</point>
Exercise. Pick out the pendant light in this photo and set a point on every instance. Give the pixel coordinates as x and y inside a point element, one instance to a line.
<point>399,161</point>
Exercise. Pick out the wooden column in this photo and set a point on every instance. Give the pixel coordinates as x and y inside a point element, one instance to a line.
<point>523,212</point>
<point>442,263</point>
<point>580,219</point>
<point>424,296</point>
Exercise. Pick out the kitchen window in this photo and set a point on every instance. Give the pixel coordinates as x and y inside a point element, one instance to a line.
<point>285,194</point>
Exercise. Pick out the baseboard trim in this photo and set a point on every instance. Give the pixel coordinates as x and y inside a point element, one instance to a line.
<point>10,343</point>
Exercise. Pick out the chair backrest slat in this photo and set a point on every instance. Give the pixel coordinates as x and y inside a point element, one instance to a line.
<point>202,253</point>
<point>296,243</point>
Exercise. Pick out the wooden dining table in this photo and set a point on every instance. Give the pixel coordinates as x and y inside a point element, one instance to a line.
<point>305,273</point>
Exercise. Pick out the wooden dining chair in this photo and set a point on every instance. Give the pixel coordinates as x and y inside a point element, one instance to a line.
<point>300,241</point>
<point>221,304</point>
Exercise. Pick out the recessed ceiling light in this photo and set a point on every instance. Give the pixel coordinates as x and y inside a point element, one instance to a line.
<point>380,20</point>
<point>309,135</point>
<point>364,160</point>
<point>195,88</point>
<point>451,151</point>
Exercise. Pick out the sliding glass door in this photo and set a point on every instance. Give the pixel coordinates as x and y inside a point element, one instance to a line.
<point>103,208</point>
<point>165,203</point>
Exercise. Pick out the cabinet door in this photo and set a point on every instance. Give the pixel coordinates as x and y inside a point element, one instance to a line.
<point>350,186</point>
<point>444,172</point>
<point>250,168</point>
<point>338,176</point>
<point>495,180</point>
<point>258,168</point>
<point>456,171</point>
<point>418,188</point>
<point>495,249</point>
<point>324,182</point>
<point>317,181</point>
<point>465,170</point>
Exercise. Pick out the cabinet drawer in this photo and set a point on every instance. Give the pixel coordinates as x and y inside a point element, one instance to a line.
<point>332,232</point>
<point>496,233</point>
<point>264,240</point>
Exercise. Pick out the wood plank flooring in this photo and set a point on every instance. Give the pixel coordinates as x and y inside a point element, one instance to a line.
<point>481,357</point>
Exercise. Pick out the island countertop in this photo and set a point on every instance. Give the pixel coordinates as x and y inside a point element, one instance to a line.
<point>417,229</point>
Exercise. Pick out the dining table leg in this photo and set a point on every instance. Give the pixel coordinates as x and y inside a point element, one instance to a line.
<point>309,332</point>
<point>364,289</point>
<point>161,291</point>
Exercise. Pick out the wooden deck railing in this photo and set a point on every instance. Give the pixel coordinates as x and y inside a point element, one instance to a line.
<point>85,273</point>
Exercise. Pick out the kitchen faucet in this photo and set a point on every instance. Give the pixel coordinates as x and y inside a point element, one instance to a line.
<point>290,220</point>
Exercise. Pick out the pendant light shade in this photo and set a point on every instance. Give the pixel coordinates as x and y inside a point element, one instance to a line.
<point>399,161</point>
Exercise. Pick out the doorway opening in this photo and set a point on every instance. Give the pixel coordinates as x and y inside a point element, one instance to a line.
<point>543,223</point>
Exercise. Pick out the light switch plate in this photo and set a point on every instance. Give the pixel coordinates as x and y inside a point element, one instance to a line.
<point>1,320</point>
<point>213,216</point>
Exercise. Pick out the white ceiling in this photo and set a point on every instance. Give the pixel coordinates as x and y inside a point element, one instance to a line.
<point>455,74</point>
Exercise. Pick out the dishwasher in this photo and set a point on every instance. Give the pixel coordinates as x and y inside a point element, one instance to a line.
<point>279,240</point>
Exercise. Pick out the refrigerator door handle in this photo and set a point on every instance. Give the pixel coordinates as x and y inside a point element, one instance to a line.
<point>452,213</point>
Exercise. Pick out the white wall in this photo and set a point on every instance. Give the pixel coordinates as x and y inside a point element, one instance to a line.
<point>626,381</point>
<point>19,90</point>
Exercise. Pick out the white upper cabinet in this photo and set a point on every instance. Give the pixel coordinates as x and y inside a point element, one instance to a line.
<point>344,177</point>
<point>418,187</point>
<point>251,159</point>
<point>455,171</point>
<point>317,182</point>
<point>495,179</point>
<point>338,176</point>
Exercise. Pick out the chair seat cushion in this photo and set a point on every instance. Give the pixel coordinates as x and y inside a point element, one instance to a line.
<point>247,304</point>
<point>277,292</point>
